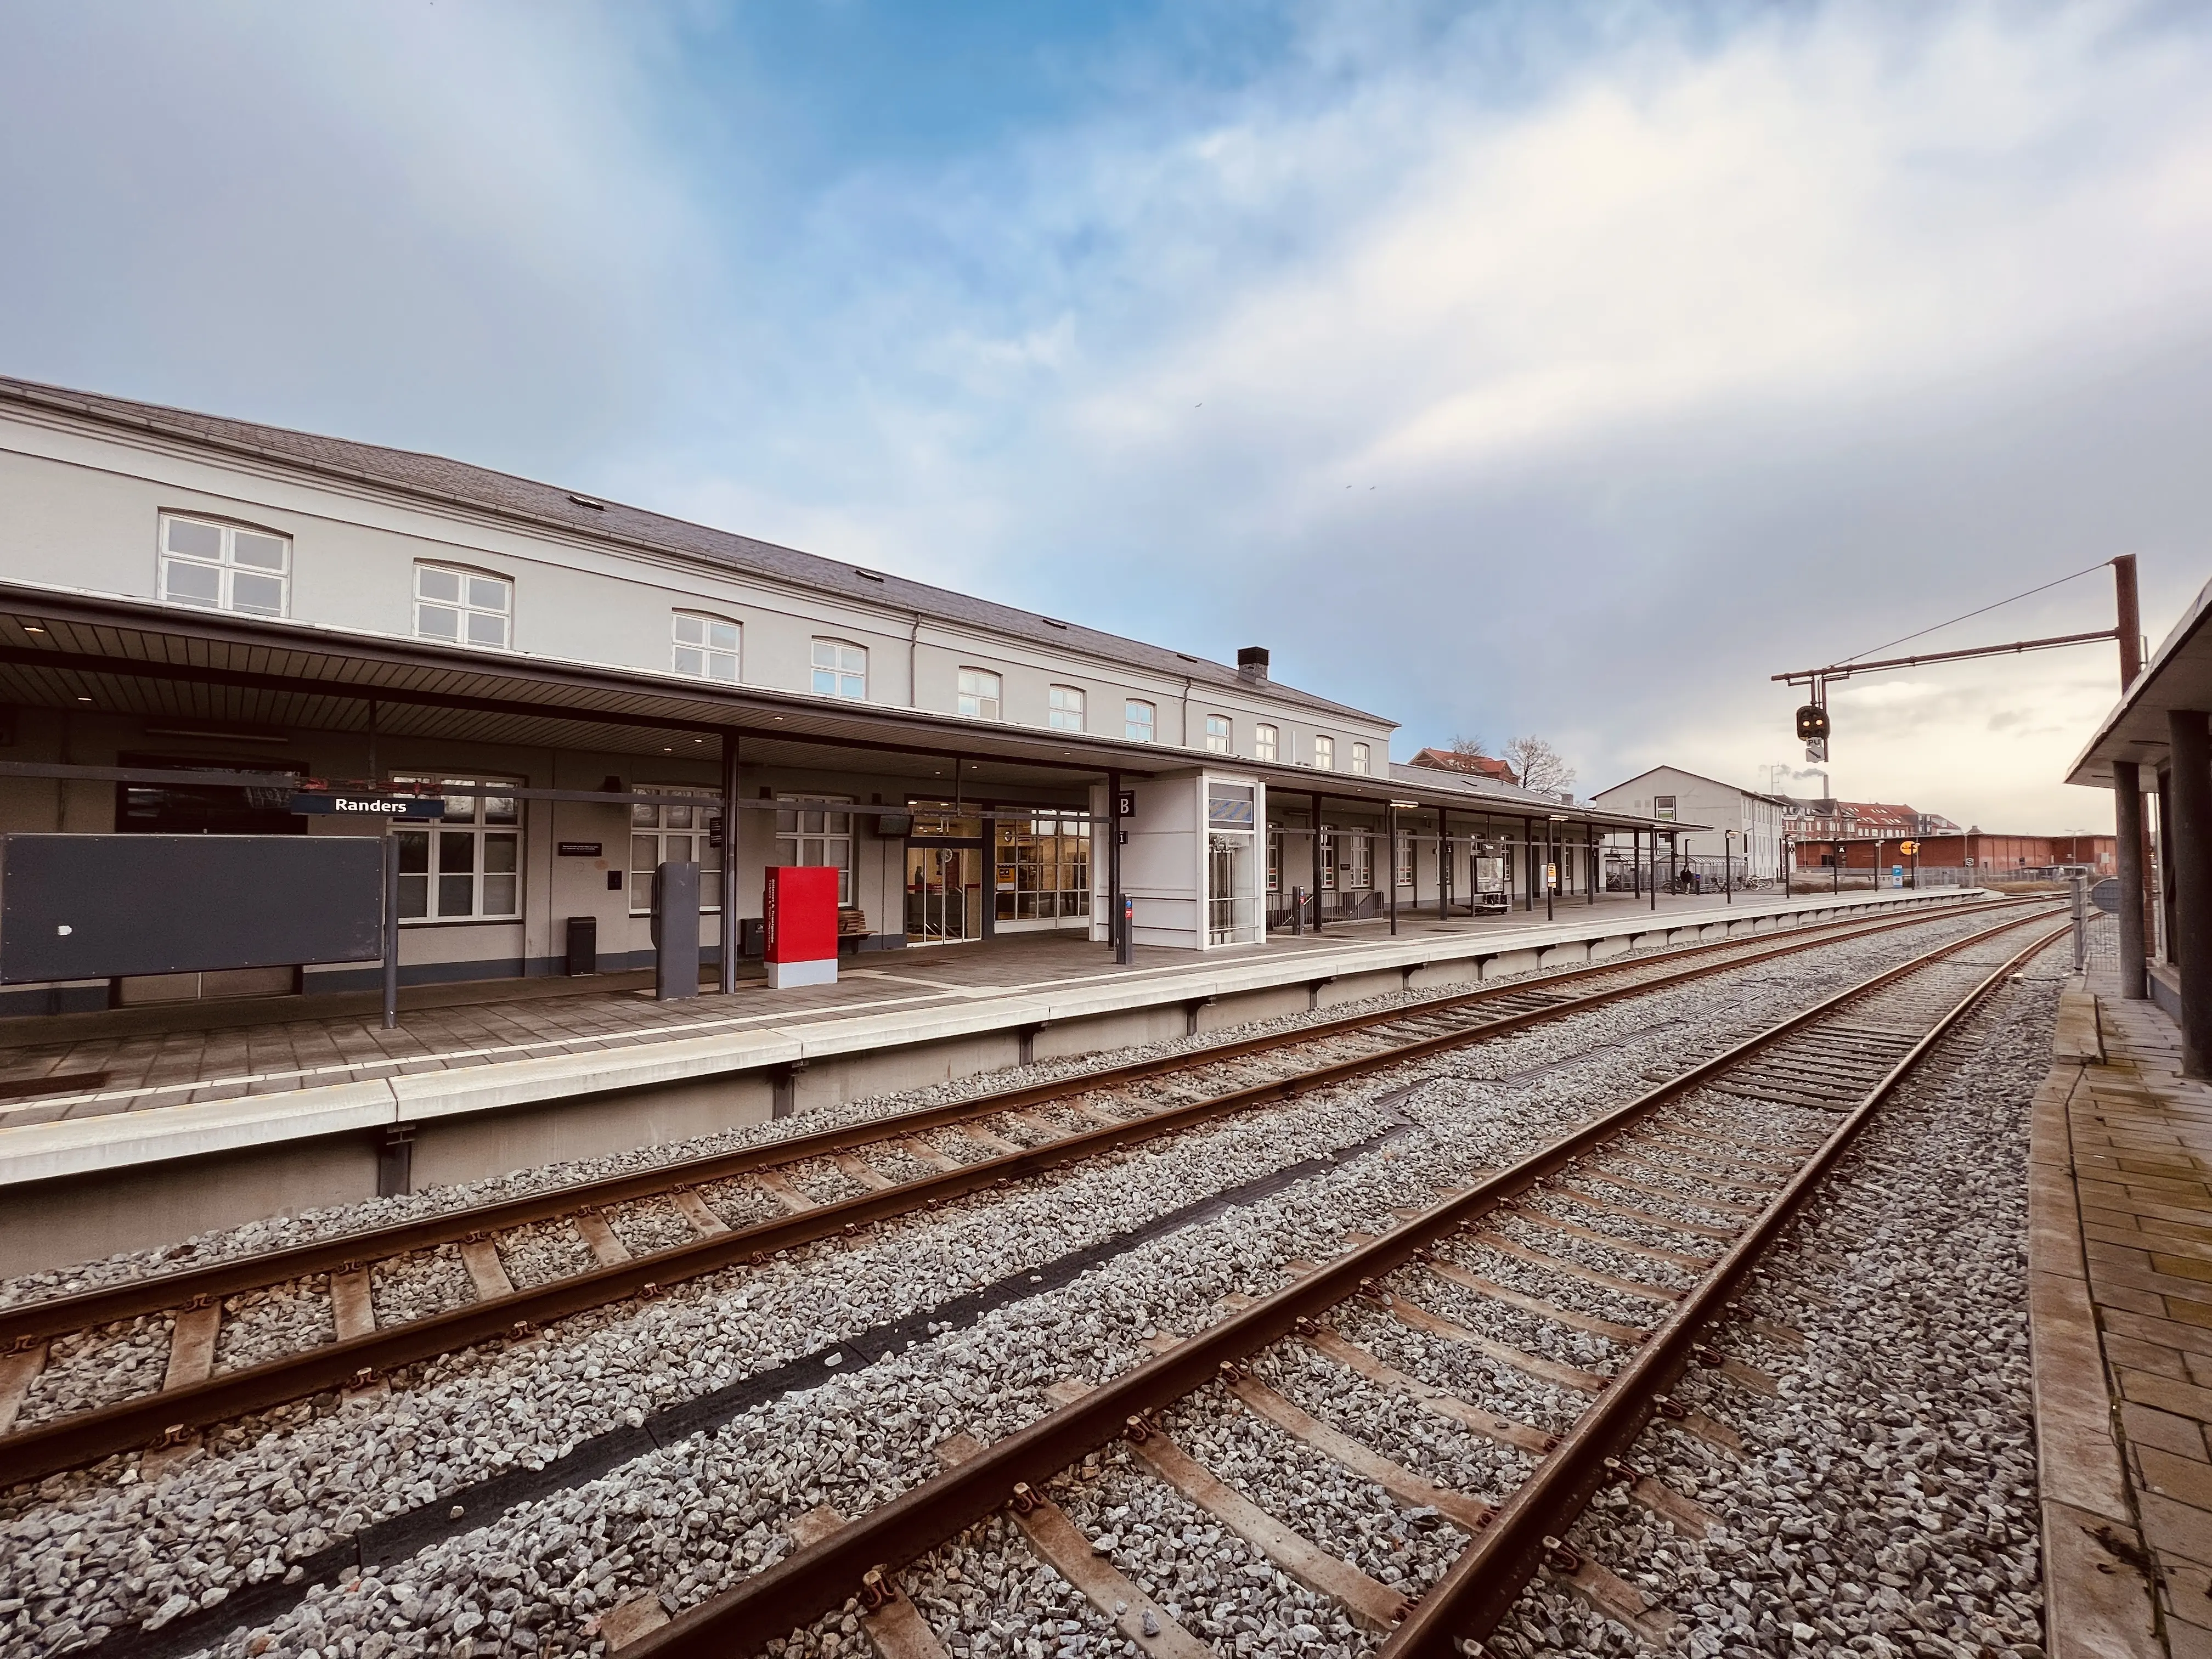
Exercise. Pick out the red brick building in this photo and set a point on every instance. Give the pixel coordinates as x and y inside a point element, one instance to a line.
<point>1978,855</point>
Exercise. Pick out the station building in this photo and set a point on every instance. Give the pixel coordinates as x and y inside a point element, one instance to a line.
<point>201,615</point>
<point>1718,821</point>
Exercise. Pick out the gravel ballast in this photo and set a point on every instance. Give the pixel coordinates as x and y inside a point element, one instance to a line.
<point>683,1521</point>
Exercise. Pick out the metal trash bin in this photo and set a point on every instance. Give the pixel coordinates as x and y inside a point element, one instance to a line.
<point>583,945</point>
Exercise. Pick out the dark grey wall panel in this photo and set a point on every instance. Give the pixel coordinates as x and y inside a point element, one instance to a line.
<point>92,906</point>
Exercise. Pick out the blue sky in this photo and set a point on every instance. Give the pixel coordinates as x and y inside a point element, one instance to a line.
<point>1558,369</point>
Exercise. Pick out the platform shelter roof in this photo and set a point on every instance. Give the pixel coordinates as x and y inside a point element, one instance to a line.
<point>2179,677</point>
<point>221,675</point>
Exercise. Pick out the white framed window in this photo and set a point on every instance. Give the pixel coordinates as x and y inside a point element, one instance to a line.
<point>1663,806</point>
<point>1266,740</point>
<point>1406,857</point>
<point>1042,866</point>
<point>469,866</point>
<point>841,670</point>
<point>463,607</point>
<point>1325,753</point>
<point>1361,756</point>
<point>979,694</point>
<point>1355,861</point>
<point>817,838</point>
<point>706,647</point>
<point>1064,708</point>
<point>678,832</point>
<point>1327,858</point>
<point>1219,738</point>
<point>224,567</point>
<point>1139,720</point>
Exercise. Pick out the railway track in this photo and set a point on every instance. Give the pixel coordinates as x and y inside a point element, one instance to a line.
<point>702,1216</point>
<point>1680,1192</point>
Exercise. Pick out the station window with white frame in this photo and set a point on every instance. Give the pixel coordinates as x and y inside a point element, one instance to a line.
<point>463,607</point>
<point>1325,753</point>
<point>1220,735</point>
<point>469,866</point>
<point>224,567</point>
<point>1355,861</point>
<point>1361,759</point>
<point>841,670</point>
<point>1140,721</point>
<point>979,694</point>
<point>1266,741</point>
<point>675,832</point>
<point>1407,854</point>
<point>1064,708</point>
<point>817,838</point>
<point>706,647</point>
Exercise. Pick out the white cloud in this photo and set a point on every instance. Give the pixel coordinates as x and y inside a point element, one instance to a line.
<point>1657,354</point>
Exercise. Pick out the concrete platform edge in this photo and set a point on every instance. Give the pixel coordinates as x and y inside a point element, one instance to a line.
<point>39,1153</point>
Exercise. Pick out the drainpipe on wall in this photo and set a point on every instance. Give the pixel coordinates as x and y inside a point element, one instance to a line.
<point>913,663</point>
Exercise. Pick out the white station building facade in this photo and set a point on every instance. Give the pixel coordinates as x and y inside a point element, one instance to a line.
<point>594,690</point>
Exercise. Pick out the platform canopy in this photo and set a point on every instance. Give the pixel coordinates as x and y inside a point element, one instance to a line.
<point>2177,677</point>
<point>232,675</point>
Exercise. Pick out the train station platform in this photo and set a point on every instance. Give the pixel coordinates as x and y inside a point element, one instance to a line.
<point>127,1127</point>
<point>2120,1305</point>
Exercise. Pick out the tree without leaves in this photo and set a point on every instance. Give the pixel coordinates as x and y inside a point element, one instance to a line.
<point>1472,748</point>
<point>1538,765</point>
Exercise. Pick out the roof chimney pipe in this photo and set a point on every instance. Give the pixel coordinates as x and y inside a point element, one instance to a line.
<point>1252,662</point>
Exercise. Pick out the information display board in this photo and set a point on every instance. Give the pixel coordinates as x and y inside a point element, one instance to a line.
<point>103,906</point>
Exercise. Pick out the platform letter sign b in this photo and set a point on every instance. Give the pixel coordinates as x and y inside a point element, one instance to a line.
<point>1125,804</point>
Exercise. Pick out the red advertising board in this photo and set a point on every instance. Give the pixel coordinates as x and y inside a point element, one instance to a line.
<point>800,922</point>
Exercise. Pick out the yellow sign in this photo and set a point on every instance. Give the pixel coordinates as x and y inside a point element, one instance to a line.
<point>1908,847</point>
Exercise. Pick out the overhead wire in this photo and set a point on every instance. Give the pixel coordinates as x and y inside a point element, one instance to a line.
<point>1906,639</point>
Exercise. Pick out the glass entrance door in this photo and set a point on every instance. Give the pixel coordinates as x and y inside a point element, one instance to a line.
<point>943,894</point>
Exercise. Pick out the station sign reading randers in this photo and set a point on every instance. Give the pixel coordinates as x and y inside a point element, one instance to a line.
<point>361,804</point>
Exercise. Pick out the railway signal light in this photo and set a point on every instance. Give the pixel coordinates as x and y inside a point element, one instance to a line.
<point>1812,723</point>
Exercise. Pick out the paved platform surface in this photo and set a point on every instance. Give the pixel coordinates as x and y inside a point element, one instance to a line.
<point>621,1071</point>
<point>2120,1260</point>
<point>73,1066</point>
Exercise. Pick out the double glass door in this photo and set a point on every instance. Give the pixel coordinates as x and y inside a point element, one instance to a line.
<point>944,894</point>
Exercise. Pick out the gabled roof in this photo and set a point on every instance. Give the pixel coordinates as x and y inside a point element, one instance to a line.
<point>456,483</point>
<point>1685,772</point>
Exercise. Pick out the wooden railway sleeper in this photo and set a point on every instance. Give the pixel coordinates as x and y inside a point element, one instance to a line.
<point>61,1315</point>
<point>31,1454</point>
<point>801,1585</point>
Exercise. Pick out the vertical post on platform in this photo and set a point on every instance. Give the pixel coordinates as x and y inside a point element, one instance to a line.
<point>1390,834</point>
<point>1590,872</point>
<point>1443,865</point>
<point>1317,861</point>
<point>391,928</point>
<point>1113,864</point>
<point>2080,885</point>
<point>2191,787</point>
<point>1551,863</point>
<point>729,965</point>
<point>2128,823</point>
